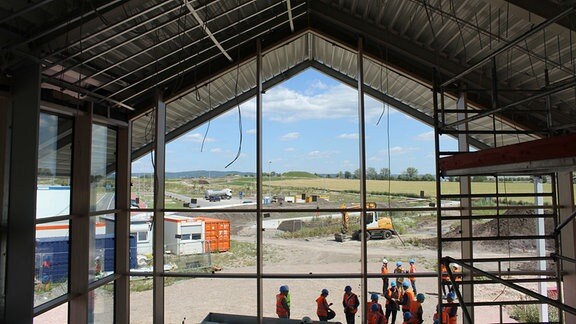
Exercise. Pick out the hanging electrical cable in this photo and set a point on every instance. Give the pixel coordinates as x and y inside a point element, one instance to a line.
<point>239,115</point>
<point>210,108</point>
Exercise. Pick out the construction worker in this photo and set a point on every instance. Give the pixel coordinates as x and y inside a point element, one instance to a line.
<point>393,296</point>
<point>407,318</point>
<point>322,305</point>
<point>457,276</point>
<point>375,316</point>
<point>374,301</point>
<point>450,312</point>
<point>399,269</point>
<point>439,317</point>
<point>384,271</point>
<point>412,270</point>
<point>407,297</point>
<point>445,279</point>
<point>282,307</point>
<point>350,302</point>
<point>416,309</point>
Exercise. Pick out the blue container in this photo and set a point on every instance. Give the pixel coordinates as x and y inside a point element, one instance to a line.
<point>56,250</point>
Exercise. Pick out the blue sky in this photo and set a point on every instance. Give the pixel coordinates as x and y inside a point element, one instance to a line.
<point>310,123</point>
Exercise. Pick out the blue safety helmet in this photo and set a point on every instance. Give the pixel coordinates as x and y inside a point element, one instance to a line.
<point>420,297</point>
<point>325,291</point>
<point>407,316</point>
<point>412,261</point>
<point>374,297</point>
<point>406,284</point>
<point>284,288</point>
<point>393,284</point>
<point>398,263</point>
<point>347,288</point>
<point>451,296</point>
<point>374,307</point>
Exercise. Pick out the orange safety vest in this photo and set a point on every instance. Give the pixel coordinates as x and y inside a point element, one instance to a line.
<point>384,270</point>
<point>393,293</point>
<point>457,275</point>
<point>322,309</point>
<point>444,273</point>
<point>414,307</point>
<point>412,270</point>
<point>280,310</point>
<point>411,300</point>
<point>370,303</point>
<point>376,318</point>
<point>446,314</point>
<point>351,302</point>
<point>442,318</point>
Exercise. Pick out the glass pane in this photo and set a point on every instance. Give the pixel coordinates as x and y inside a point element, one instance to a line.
<point>101,304</point>
<point>218,242</point>
<point>55,315</point>
<point>305,243</point>
<point>141,300</point>
<point>142,190</point>
<point>54,166</point>
<point>51,260</point>
<point>102,248</point>
<point>141,242</point>
<point>203,168</point>
<point>103,169</point>
<point>192,300</point>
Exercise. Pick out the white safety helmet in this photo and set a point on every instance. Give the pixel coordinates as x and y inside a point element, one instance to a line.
<point>384,260</point>
<point>456,266</point>
<point>306,320</point>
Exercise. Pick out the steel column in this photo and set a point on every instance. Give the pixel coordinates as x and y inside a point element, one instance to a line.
<point>541,247</point>
<point>80,222</point>
<point>565,210</point>
<point>259,229</point>
<point>467,250</point>
<point>21,212</point>
<point>159,191</point>
<point>5,117</point>
<point>122,264</point>
<point>362,159</point>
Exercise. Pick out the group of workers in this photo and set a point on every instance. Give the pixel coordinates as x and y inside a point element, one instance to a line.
<point>400,294</point>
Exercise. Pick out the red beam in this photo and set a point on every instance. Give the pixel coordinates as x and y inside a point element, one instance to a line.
<point>543,149</point>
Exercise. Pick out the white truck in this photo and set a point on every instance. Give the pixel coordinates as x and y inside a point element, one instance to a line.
<point>216,195</point>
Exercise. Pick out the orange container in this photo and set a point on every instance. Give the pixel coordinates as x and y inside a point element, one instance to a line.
<point>216,234</point>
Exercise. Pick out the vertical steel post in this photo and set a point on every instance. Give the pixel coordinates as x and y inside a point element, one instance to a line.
<point>5,117</point>
<point>567,270</point>
<point>259,229</point>
<point>78,311</point>
<point>467,251</point>
<point>122,284</point>
<point>159,191</point>
<point>362,159</point>
<point>437,132</point>
<point>21,198</point>
<point>541,246</point>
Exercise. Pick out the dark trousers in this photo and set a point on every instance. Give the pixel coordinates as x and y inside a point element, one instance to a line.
<point>323,318</point>
<point>392,311</point>
<point>350,318</point>
<point>384,285</point>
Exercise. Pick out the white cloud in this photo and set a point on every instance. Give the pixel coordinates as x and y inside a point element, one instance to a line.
<point>197,138</point>
<point>348,136</point>
<point>425,136</point>
<point>216,150</point>
<point>290,136</point>
<point>319,154</point>
<point>399,150</point>
<point>375,159</point>
<point>289,149</point>
<point>251,131</point>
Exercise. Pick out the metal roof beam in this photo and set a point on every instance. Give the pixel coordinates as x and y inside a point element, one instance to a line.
<point>508,46</point>
<point>289,7</point>
<point>207,30</point>
<point>24,11</point>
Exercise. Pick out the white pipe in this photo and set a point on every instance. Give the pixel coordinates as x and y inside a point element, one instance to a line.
<point>290,15</point>
<point>206,30</point>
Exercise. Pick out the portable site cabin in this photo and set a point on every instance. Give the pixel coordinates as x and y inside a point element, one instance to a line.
<point>183,235</point>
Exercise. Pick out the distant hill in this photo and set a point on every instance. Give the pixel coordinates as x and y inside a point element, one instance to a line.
<point>198,174</point>
<point>298,174</point>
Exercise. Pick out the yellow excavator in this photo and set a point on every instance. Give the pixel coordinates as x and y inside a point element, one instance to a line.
<point>377,225</point>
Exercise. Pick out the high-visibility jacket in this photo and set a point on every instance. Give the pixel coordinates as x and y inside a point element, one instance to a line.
<point>393,293</point>
<point>376,318</point>
<point>444,273</point>
<point>281,306</point>
<point>384,270</point>
<point>416,311</point>
<point>350,303</point>
<point>457,275</point>
<point>441,316</point>
<point>370,312</point>
<point>407,300</point>
<point>450,313</point>
<point>412,270</point>
<point>322,309</point>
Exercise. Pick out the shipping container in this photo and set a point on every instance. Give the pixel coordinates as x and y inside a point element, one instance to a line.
<point>216,234</point>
